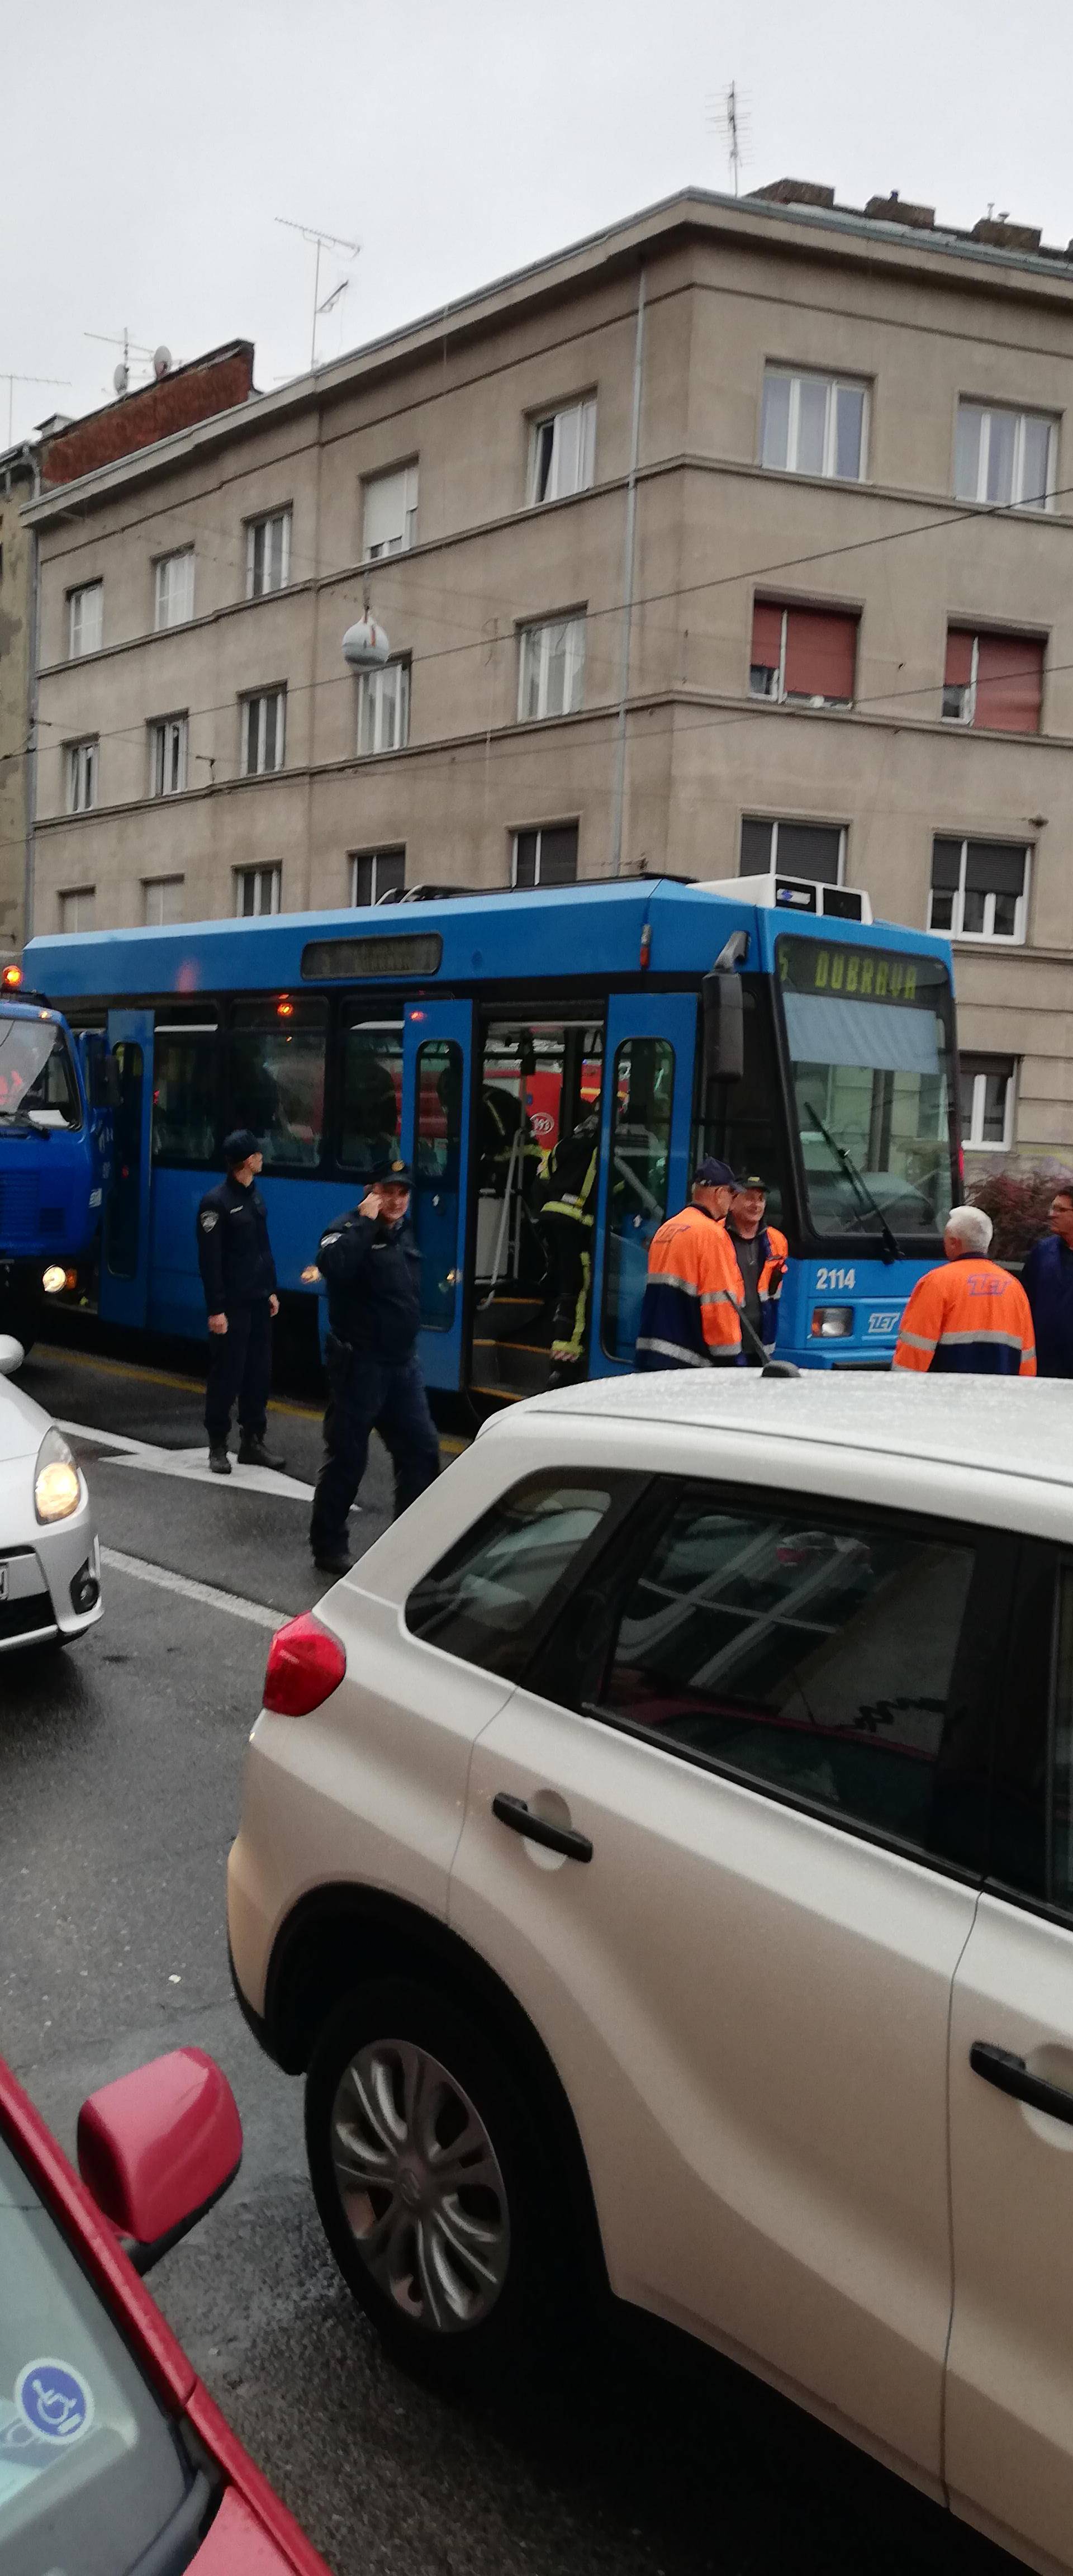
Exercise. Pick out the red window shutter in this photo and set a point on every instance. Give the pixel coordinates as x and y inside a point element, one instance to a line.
<point>959,644</point>
<point>821,654</point>
<point>1009,683</point>
<point>767,634</point>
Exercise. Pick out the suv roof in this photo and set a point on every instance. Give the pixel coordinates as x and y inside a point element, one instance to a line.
<point>1007,1426</point>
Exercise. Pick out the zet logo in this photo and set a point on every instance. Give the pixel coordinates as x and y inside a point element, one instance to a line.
<point>882,1320</point>
<point>54,2400</point>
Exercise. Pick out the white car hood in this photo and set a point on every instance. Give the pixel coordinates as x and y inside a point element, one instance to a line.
<point>23,1424</point>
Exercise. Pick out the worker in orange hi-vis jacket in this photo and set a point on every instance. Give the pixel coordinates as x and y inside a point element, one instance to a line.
<point>970,1314</point>
<point>691,1313</point>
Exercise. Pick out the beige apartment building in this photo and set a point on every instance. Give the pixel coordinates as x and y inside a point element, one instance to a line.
<point>735,538</point>
<point>18,482</point>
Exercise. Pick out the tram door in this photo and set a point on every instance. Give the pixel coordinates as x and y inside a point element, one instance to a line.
<point>437,1062</point>
<point>125,1233</point>
<point>540,1088</point>
<point>645,1138</point>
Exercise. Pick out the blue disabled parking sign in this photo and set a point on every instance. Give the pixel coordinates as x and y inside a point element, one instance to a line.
<point>54,2400</point>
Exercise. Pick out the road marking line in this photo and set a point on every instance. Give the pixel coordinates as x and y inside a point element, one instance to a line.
<point>450,1443</point>
<point>257,1612</point>
<point>190,1466</point>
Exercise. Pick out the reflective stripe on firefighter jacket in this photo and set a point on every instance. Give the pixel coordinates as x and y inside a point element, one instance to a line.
<point>968,1315</point>
<point>769,1284</point>
<point>691,1313</point>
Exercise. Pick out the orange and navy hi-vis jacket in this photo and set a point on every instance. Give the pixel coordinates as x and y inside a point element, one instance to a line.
<point>969,1314</point>
<point>691,1314</point>
<point>769,1284</point>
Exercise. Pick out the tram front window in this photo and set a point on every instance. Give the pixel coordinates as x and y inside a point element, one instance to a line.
<point>538,1116</point>
<point>37,1081</point>
<point>869,1035</point>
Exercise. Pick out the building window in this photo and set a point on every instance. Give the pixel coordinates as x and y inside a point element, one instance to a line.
<point>76,909</point>
<point>551,668</point>
<point>813,850</point>
<point>987,1100</point>
<point>389,524</point>
<point>162,901</point>
<point>1006,457</point>
<point>994,680</point>
<point>85,619</point>
<point>376,875</point>
<point>263,726</point>
<point>167,756</point>
<point>174,578</point>
<point>813,425</point>
<point>979,889</point>
<point>804,656</point>
<point>562,451</point>
<point>547,857</point>
<point>384,708</point>
<point>256,891</point>
<point>268,553</point>
<point>82,775</point>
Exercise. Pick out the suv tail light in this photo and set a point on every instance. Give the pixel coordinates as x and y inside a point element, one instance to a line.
<point>305,1664</point>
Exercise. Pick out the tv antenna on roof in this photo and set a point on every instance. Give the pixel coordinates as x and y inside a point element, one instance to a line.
<point>130,348</point>
<point>10,380</point>
<point>729,117</point>
<point>321,241</point>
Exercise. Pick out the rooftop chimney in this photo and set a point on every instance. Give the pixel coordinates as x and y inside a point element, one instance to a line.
<point>897,210</point>
<point>795,192</point>
<point>998,231</point>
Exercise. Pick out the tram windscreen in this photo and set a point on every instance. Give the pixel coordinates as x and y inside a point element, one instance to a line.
<point>869,1033</point>
<point>37,1076</point>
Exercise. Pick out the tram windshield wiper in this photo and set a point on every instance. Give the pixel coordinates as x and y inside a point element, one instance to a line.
<point>892,1250</point>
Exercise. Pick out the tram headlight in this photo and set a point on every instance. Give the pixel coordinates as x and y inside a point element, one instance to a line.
<point>53,1279</point>
<point>57,1484</point>
<point>832,1323</point>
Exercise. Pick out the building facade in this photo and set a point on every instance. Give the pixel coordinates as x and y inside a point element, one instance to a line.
<point>18,482</point>
<point>735,538</point>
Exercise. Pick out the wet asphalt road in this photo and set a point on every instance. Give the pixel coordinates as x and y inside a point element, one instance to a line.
<point>119,1780</point>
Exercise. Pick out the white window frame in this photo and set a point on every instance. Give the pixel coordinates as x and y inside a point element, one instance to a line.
<point>272,873</point>
<point>795,377</point>
<point>158,918</point>
<point>407,537</point>
<point>76,895</point>
<point>77,601</point>
<point>538,830</point>
<point>780,695</point>
<point>390,712</point>
<point>966,689</point>
<point>260,527</point>
<point>262,699</point>
<point>798,822</point>
<point>973,1100</point>
<point>535,653</point>
<point>584,412</point>
<point>164,581</point>
<point>83,767</point>
<point>168,745</point>
<point>1007,411</point>
<point>988,936</point>
<point>363,858</point>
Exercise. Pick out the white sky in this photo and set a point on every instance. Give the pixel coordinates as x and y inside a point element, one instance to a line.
<point>148,145</point>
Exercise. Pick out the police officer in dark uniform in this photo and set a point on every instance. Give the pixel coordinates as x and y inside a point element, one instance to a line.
<point>238,1275</point>
<point>371,1266</point>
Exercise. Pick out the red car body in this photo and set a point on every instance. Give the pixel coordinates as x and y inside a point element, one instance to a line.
<point>251,2533</point>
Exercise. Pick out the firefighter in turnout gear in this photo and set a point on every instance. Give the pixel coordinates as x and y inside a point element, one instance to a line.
<point>969,1315</point>
<point>691,1313</point>
<point>566,1212</point>
<point>238,1275</point>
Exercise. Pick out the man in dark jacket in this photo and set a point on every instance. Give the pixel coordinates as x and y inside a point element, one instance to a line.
<point>1047,1280</point>
<point>371,1266</point>
<point>238,1275</point>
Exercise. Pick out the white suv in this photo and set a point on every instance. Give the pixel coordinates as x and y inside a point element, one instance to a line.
<point>658,1853</point>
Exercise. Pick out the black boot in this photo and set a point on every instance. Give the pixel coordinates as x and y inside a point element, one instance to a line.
<point>218,1459</point>
<point>331,1558</point>
<point>252,1452</point>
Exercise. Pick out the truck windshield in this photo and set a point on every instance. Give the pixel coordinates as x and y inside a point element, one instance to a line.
<point>37,1075</point>
<point>869,1036</point>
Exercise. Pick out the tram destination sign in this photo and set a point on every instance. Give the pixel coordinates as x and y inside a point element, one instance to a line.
<point>840,972</point>
<point>415,952</point>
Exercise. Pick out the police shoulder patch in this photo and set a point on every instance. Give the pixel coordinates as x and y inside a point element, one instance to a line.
<point>329,1238</point>
<point>209,1219</point>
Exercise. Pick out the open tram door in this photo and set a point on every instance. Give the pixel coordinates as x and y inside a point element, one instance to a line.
<point>645,1137</point>
<point>125,1229</point>
<point>437,1075</point>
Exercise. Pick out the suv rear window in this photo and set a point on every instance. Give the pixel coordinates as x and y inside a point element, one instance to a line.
<point>492,1596</point>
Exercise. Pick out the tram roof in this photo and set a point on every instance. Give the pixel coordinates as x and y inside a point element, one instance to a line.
<point>589,931</point>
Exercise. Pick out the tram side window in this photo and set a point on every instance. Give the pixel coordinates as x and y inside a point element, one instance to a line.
<point>642,1102</point>
<point>371,1093</point>
<point>186,1093</point>
<point>277,1078</point>
<point>437,1156</point>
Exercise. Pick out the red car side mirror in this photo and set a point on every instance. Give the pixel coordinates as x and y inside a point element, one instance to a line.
<point>156,2149</point>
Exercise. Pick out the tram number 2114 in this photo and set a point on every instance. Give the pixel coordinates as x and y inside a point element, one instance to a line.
<point>836,1278</point>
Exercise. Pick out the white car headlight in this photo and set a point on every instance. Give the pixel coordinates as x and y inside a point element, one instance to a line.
<point>57,1486</point>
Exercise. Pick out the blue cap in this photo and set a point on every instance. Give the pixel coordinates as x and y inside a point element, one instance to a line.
<point>397,1175</point>
<point>713,1175</point>
<point>239,1145</point>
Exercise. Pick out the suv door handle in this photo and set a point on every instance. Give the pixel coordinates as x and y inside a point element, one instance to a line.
<point>999,2066</point>
<point>558,1838</point>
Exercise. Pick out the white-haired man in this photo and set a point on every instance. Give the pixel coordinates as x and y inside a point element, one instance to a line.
<point>970,1314</point>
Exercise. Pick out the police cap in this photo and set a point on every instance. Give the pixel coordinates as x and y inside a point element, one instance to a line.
<point>239,1145</point>
<point>393,1175</point>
